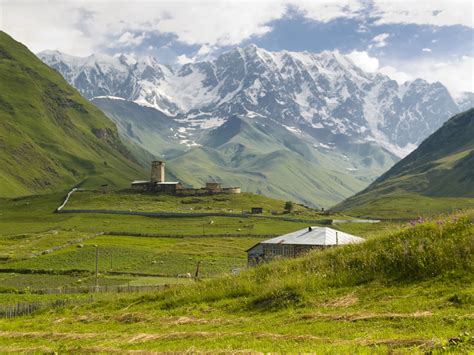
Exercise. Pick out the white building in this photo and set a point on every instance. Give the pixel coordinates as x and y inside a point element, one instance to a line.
<point>297,243</point>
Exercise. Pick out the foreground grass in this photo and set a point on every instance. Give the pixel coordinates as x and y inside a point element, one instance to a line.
<point>410,291</point>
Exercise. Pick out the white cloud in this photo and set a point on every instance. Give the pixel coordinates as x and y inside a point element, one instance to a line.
<point>427,50</point>
<point>129,39</point>
<point>399,76</point>
<point>219,23</point>
<point>455,74</point>
<point>379,40</point>
<point>325,11</point>
<point>42,25</point>
<point>86,26</point>
<point>205,50</point>
<point>83,27</point>
<point>364,61</point>
<point>434,12</point>
<point>183,59</point>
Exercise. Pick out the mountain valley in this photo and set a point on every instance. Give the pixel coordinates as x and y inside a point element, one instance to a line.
<point>241,117</point>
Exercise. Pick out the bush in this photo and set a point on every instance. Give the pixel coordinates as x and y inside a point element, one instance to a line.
<point>289,206</point>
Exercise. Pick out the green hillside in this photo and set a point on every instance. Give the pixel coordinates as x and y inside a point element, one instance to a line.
<point>50,137</point>
<point>437,177</point>
<point>405,292</point>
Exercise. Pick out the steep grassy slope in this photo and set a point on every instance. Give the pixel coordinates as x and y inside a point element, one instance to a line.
<point>150,129</point>
<point>256,153</point>
<point>406,292</point>
<point>51,137</point>
<point>437,176</point>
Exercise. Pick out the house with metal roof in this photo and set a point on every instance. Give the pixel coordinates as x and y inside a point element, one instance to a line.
<point>297,243</point>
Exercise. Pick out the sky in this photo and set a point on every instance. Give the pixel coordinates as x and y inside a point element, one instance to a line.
<point>433,40</point>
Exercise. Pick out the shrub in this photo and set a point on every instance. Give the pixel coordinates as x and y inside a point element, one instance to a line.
<point>288,206</point>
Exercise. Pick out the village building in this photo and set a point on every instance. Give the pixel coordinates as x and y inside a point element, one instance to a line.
<point>157,184</point>
<point>297,243</point>
<point>256,210</point>
<point>157,181</point>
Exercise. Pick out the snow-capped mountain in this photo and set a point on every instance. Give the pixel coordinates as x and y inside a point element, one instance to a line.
<point>324,95</point>
<point>465,101</point>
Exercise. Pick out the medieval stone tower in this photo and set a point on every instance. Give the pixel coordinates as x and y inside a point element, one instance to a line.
<point>157,172</point>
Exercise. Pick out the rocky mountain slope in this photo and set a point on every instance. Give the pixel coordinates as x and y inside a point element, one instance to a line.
<point>442,166</point>
<point>51,138</point>
<point>324,94</point>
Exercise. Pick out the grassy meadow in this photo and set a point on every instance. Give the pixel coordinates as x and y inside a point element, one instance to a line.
<point>404,205</point>
<point>145,202</point>
<point>40,249</point>
<point>408,291</point>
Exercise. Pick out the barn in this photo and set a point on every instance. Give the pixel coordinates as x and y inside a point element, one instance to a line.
<point>297,243</point>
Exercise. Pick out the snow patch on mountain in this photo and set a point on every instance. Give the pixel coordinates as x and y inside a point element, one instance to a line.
<point>109,97</point>
<point>314,93</point>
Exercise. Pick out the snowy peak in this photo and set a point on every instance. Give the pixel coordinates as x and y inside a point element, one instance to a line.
<point>465,101</point>
<point>324,94</point>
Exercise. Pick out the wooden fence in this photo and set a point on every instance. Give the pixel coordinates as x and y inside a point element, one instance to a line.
<point>26,309</point>
<point>101,289</point>
<point>205,235</point>
<point>194,215</point>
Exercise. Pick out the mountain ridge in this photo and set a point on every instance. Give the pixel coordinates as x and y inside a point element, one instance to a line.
<point>238,153</point>
<point>344,125</point>
<point>51,138</point>
<point>323,93</point>
<point>441,167</point>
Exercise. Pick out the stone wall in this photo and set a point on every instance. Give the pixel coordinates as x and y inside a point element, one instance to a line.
<point>204,191</point>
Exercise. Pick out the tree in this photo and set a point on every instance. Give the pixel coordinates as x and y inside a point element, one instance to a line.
<point>288,206</point>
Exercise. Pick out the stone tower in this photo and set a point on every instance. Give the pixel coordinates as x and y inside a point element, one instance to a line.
<point>157,171</point>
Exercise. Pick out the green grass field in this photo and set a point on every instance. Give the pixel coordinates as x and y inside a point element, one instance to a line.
<point>42,249</point>
<point>35,215</point>
<point>409,291</point>
<point>160,256</point>
<point>406,205</point>
<point>123,200</point>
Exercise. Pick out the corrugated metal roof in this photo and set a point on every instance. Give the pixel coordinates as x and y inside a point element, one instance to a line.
<point>317,236</point>
<point>257,248</point>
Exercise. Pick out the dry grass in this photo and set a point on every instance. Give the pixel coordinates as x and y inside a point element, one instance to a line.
<point>345,301</point>
<point>147,337</point>
<point>359,316</point>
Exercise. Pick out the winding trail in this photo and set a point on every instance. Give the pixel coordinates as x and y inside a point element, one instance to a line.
<point>66,199</point>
